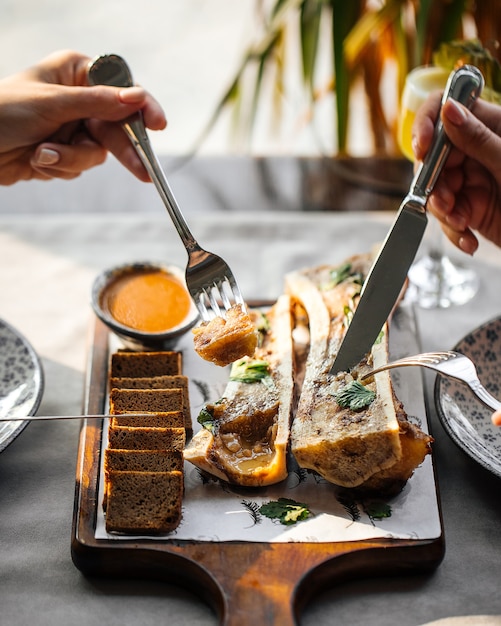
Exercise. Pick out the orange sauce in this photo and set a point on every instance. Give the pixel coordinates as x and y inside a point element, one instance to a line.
<point>151,301</point>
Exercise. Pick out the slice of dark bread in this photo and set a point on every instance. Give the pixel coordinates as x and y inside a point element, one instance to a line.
<point>143,460</point>
<point>149,400</point>
<point>145,364</point>
<point>169,419</point>
<point>155,383</point>
<point>126,438</point>
<point>144,502</point>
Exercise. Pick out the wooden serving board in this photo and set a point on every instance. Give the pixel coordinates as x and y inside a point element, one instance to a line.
<point>246,582</point>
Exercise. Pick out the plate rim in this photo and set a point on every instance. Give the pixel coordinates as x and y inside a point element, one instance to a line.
<point>495,467</point>
<point>12,435</point>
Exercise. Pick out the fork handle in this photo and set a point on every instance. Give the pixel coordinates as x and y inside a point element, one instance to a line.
<point>136,131</point>
<point>484,396</point>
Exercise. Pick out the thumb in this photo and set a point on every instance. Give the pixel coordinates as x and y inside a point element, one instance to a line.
<point>101,102</point>
<point>468,133</point>
<point>110,104</point>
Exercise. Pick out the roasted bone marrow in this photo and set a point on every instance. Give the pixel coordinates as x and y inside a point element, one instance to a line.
<point>245,434</point>
<point>374,446</point>
<point>366,444</point>
<point>223,340</point>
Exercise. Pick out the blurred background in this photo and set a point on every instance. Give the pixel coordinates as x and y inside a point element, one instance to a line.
<point>260,76</point>
<point>184,52</point>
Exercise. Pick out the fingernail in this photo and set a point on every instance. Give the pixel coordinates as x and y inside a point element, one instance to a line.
<point>454,112</point>
<point>468,245</point>
<point>46,156</point>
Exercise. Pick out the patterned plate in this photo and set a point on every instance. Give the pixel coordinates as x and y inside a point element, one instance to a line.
<point>21,382</point>
<point>466,419</point>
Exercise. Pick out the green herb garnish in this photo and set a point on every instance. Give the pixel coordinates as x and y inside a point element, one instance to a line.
<point>344,273</point>
<point>286,511</point>
<point>348,315</point>
<point>263,323</point>
<point>354,396</point>
<point>340,274</point>
<point>377,510</point>
<point>206,419</point>
<point>249,371</point>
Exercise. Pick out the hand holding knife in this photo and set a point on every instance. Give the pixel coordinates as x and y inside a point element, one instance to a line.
<point>389,271</point>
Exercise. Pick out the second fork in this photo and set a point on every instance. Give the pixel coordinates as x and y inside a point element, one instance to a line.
<point>453,364</point>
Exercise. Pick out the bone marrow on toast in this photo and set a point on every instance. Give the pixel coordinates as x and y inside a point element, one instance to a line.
<point>245,433</point>
<point>223,340</point>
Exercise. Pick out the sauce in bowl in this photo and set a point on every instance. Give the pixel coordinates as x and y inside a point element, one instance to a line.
<point>147,300</point>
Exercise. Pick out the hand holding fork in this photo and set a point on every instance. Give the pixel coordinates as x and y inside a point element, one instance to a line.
<point>209,279</point>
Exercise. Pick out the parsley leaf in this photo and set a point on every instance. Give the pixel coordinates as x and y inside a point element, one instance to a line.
<point>378,510</point>
<point>206,419</point>
<point>354,396</point>
<point>286,511</point>
<point>344,273</point>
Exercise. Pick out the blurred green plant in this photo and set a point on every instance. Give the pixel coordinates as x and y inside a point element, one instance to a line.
<point>472,52</point>
<point>364,37</point>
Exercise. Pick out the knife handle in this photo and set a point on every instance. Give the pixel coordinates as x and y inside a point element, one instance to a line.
<point>464,85</point>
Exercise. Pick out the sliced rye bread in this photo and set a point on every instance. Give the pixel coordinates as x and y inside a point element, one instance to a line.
<point>145,364</point>
<point>143,478</point>
<point>149,400</point>
<point>139,461</point>
<point>126,438</point>
<point>169,419</point>
<point>157,383</point>
<point>143,460</point>
<point>144,502</point>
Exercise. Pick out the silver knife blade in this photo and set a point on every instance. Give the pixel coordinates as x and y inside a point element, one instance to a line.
<point>389,271</point>
<point>382,285</point>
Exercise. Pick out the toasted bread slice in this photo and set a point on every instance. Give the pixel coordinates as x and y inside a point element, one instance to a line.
<point>144,502</point>
<point>159,383</point>
<point>145,364</point>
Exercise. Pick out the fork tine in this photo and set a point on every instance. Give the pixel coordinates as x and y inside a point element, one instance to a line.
<point>221,296</point>
<point>235,290</point>
<point>201,301</point>
<point>212,293</point>
<point>202,307</point>
<point>224,294</point>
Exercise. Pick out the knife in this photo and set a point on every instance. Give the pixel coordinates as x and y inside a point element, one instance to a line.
<point>385,279</point>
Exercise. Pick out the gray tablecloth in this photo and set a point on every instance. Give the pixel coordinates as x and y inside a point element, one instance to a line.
<point>47,265</point>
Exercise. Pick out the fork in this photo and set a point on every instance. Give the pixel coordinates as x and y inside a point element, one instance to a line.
<point>209,279</point>
<point>451,364</point>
